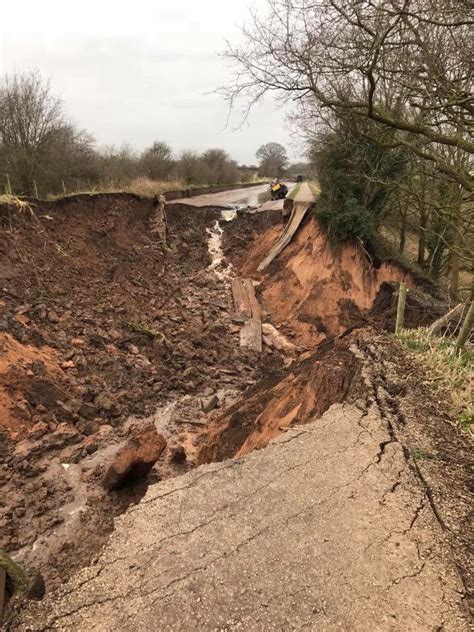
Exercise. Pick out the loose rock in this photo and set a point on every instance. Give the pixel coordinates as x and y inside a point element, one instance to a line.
<point>134,457</point>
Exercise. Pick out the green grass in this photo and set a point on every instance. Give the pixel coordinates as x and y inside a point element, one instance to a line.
<point>450,376</point>
<point>294,191</point>
<point>421,455</point>
<point>16,574</point>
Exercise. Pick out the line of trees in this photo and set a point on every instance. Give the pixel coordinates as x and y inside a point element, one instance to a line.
<point>383,94</point>
<point>40,146</point>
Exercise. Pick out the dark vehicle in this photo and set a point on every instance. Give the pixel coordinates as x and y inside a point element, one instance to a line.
<point>278,190</point>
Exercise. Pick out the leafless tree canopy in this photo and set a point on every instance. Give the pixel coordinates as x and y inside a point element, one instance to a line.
<point>42,152</point>
<point>405,64</point>
<point>272,158</point>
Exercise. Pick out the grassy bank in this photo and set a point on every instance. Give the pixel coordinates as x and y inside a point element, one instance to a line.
<point>294,191</point>
<point>450,376</point>
<point>147,188</point>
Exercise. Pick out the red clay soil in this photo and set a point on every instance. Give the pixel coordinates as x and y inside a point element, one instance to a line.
<point>99,324</point>
<point>314,294</point>
<point>293,396</point>
<point>318,290</point>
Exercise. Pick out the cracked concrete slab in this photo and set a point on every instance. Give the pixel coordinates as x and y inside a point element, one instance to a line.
<point>325,529</point>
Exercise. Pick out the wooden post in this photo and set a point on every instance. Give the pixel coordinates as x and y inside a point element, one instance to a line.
<point>3,581</point>
<point>35,190</point>
<point>8,184</point>
<point>64,187</point>
<point>444,320</point>
<point>466,328</point>
<point>402,296</point>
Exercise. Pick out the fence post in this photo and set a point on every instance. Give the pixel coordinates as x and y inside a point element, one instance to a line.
<point>3,581</point>
<point>402,295</point>
<point>64,187</point>
<point>8,184</point>
<point>35,190</point>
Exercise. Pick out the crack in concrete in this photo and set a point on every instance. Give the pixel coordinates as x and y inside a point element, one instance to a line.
<point>131,593</point>
<point>229,464</point>
<point>224,508</point>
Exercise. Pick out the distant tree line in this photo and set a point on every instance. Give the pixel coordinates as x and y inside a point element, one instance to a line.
<point>384,100</point>
<point>40,146</point>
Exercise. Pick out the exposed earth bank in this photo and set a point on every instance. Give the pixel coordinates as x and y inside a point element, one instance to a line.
<point>112,344</point>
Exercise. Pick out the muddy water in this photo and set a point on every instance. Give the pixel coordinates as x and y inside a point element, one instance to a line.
<point>223,270</point>
<point>253,201</point>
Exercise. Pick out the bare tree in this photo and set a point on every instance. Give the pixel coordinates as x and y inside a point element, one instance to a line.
<point>273,159</point>
<point>402,63</point>
<point>191,168</point>
<point>30,120</point>
<point>220,168</point>
<point>157,162</point>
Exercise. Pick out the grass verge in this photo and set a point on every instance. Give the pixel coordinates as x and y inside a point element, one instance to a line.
<point>314,186</point>
<point>15,203</point>
<point>448,375</point>
<point>144,187</point>
<point>294,191</point>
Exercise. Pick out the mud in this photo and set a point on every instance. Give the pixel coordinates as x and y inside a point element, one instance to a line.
<point>303,391</point>
<point>100,325</point>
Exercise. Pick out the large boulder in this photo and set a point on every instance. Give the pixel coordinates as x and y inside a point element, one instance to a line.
<point>133,458</point>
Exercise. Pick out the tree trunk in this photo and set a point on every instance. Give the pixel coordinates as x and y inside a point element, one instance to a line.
<point>423,223</point>
<point>454,277</point>
<point>422,238</point>
<point>466,328</point>
<point>437,259</point>
<point>403,231</point>
<point>444,320</point>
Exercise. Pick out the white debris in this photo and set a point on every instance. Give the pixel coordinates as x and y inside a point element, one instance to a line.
<point>214,246</point>
<point>273,338</point>
<point>228,216</point>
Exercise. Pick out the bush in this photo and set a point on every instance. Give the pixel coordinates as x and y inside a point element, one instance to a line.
<point>353,221</point>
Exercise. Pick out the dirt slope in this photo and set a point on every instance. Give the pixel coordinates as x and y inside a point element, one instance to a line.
<point>319,289</point>
<point>102,326</point>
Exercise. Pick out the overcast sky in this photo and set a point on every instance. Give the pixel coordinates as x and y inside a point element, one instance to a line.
<point>140,70</point>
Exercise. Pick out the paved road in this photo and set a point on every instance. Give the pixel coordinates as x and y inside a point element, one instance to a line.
<point>326,529</point>
<point>246,197</point>
<point>250,196</point>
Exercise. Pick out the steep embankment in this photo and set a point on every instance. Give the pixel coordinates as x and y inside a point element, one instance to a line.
<point>314,293</point>
<point>318,289</point>
<point>102,327</point>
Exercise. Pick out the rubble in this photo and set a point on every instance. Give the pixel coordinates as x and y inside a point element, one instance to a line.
<point>134,457</point>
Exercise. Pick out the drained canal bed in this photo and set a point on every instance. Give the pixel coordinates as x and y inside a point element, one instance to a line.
<point>122,366</point>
